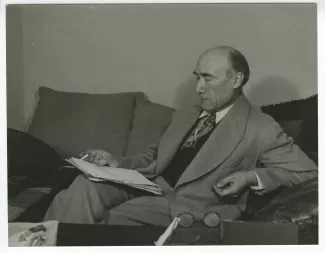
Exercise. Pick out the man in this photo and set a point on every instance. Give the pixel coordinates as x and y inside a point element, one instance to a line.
<point>208,159</point>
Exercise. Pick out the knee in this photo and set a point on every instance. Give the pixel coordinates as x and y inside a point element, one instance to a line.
<point>115,217</point>
<point>80,182</point>
<point>80,179</point>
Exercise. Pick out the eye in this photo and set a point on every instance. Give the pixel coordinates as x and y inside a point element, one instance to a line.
<point>208,78</point>
<point>196,77</point>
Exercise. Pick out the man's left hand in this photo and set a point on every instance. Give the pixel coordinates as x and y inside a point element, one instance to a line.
<point>235,183</point>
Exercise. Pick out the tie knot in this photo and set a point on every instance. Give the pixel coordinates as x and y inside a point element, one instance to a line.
<point>211,118</point>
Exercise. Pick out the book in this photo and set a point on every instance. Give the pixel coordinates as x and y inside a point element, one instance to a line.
<point>128,177</point>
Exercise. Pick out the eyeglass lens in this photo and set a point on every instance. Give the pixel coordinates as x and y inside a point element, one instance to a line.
<point>211,219</point>
<point>186,220</point>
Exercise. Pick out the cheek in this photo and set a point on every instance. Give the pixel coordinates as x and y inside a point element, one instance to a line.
<point>220,94</point>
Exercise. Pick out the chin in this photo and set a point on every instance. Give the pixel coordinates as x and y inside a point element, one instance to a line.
<point>207,107</point>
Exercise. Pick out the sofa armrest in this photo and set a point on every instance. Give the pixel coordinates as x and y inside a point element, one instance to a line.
<point>298,204</point>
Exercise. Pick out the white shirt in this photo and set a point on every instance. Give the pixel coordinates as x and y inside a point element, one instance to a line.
<point>219,116</point>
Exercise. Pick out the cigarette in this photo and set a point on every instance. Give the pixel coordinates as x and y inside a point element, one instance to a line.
<point>84,157</point>
<point>163,238</point>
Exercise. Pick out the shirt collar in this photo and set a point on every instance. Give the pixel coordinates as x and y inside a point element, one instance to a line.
<point>219,115</point>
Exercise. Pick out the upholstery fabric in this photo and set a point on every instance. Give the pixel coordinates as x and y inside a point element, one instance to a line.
<point>295,204</point>
<point>30,161</point>
<point>33,154</point>
<point>298,204</point>
<point>20,202</point>
<point>150,122</point>
<point>74,122</point>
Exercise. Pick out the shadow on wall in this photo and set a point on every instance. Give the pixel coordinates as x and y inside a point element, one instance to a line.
<point>270,90</point>
<point>186,94</point>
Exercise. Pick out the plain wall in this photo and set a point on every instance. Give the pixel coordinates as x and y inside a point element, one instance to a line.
<point>14,51</point>
<point>154,47</point>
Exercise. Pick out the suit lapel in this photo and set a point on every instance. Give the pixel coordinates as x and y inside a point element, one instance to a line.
<point>221,142</point>
<point>179,127</point>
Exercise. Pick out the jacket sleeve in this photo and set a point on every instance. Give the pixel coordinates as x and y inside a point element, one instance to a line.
<point>142,160</point>
<point>283,162</point>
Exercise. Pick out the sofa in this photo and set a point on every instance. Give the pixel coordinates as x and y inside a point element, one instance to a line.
<point>65,124</point>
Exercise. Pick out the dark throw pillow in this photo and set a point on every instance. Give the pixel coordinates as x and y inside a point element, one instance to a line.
<point>30,161</point>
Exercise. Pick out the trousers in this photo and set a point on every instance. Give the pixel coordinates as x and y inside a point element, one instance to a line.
<point>88,202</point>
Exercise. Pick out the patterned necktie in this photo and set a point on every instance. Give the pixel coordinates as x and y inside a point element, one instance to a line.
<point>204,126</point>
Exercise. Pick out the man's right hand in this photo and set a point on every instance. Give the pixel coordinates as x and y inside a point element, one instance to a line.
<point>100,158</point>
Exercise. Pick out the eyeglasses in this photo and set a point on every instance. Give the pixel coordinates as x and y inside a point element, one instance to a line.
<point>211,219</point>
<point>187,220</point>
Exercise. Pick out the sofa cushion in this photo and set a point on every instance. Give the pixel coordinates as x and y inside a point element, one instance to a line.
<point>150,122</point>
<point>74,122</point>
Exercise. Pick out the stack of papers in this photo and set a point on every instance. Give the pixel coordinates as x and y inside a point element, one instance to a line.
<point>131,178</point>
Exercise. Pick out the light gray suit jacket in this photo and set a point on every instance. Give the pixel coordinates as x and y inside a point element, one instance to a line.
<point>245,139</point>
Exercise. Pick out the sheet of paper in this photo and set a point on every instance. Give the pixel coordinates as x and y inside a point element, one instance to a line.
<point>118,175</point>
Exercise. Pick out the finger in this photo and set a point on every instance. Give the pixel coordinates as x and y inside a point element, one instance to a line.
<point>97,159</point>
<point>38,235</point>
<point>91,152</point>
<point>113,164</point>
<point>101,155</point>
<point>35,242</point>
<point>217,190</point>
<point>91,158</point>
<point>101,162</point>
<point>37,238</point>
<point>223,182</point>
<point>230,191</point>
<point>40,242</point>
<point>82,154</point>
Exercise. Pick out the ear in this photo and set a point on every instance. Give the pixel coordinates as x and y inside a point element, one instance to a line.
<point>238,80</point>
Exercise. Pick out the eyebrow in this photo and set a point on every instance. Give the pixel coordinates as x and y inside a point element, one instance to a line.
<point>204,74</point>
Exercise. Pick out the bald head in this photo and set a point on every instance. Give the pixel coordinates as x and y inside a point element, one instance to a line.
<point>229,56</point>
<point>217,51</point>
<point>221,72</point>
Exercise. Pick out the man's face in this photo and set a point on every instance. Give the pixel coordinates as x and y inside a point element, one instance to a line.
<point>215,81</point>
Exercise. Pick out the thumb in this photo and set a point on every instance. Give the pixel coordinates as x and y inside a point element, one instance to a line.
<point>223,182</point>
<point>82,154</point>
<point>101,162</point>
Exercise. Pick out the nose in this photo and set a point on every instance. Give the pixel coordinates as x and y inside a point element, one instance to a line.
<point>200,85</point>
